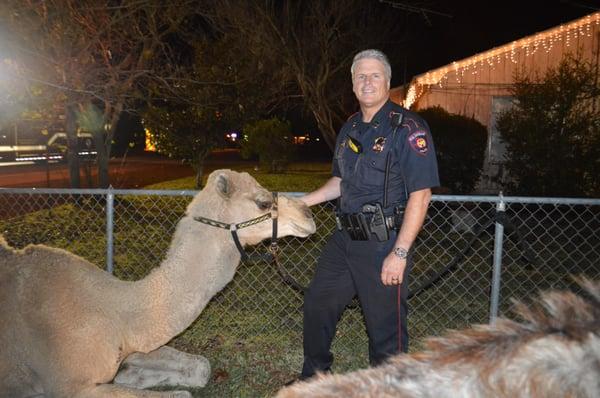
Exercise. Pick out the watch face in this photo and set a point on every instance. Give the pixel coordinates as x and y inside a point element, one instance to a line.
<point>401,252</point>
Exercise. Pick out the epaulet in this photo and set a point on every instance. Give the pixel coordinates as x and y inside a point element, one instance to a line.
<point>351,116</point>
<point>396,118</point>
<point>413,121</point>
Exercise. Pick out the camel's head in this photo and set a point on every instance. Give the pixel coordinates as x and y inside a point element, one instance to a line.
<point>241,198</point>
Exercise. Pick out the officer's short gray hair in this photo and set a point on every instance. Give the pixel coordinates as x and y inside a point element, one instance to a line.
<point>373,54</point>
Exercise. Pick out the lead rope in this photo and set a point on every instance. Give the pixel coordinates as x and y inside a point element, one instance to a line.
<point>274,250</point>
<point>501,217</point>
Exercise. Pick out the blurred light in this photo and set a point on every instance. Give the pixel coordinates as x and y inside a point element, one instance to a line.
<point>301,139</point>
<point>232,137</point>
<point>34,158</point>
<point>149,146</point>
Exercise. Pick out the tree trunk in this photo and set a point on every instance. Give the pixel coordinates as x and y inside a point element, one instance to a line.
<point>199,168</point>
<point>326,128</point>
<point>101,158</point>
<point>72,146</point>
<point>104,142</point>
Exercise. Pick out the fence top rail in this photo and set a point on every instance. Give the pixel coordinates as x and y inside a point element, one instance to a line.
<point>515,199</point>
<point>168,192</point>
<point>97,191</point>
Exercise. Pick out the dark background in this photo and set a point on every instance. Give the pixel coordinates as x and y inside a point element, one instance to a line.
<point>477,26</point>
<point>438,33</point>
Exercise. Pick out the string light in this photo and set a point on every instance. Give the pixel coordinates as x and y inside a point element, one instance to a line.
<point>528,46</point>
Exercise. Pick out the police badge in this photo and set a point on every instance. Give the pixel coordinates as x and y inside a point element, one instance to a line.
<point>379,144</point>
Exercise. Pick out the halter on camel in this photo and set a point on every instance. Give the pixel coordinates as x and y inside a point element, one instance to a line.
<point>234,228</point>
<point>273,248</point>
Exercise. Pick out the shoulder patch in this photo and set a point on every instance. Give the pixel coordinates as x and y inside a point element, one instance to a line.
<point>418,142</point>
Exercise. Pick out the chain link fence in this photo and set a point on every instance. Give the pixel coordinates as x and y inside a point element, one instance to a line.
<point>473,256</point>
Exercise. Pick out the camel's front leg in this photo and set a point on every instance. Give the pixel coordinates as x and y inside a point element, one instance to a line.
<point>115,391</point>
<point>165,366</point>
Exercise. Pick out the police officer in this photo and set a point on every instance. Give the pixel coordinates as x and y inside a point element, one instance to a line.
<point>384,167</point>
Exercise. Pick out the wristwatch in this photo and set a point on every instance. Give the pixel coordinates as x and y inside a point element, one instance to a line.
<point>401,252</point>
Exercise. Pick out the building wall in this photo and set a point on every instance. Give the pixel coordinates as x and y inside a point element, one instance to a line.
<point>470,86</point>
<point>469,91</point>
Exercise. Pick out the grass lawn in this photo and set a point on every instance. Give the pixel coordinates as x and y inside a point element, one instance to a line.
<point>251,331</point>
<point>300,177</point>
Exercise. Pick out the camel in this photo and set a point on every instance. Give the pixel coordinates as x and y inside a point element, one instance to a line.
<point>66,325</point>
<point>554,353</point>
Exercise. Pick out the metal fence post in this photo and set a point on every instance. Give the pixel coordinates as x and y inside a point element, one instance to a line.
<point>497,264</point>
<point>110,199</point>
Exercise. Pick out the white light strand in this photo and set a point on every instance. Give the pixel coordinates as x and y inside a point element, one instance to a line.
<point>527,46</point>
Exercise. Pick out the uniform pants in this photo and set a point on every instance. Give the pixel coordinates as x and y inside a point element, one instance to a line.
<point>347,268</point>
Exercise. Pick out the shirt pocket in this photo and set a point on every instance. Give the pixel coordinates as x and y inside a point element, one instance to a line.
<point>372,168</point>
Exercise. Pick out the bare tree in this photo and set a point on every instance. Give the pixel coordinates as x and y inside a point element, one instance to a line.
<point>99,54</point>
<point>308,48</point>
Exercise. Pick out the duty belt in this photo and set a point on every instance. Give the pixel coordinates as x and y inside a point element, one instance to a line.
<point>370,220</point>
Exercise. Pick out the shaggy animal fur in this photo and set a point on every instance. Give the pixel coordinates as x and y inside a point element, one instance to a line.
<point>66,325</point>
<point>553,353</point>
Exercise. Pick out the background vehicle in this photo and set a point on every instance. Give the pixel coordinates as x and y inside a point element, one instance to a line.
<point>38,141</point>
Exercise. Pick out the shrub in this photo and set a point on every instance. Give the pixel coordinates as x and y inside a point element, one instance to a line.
<point>460,147</point>
<point>552,133</point>
<point>271,141</point>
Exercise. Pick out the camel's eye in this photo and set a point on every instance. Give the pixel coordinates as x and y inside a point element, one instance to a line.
<point>264,204</point>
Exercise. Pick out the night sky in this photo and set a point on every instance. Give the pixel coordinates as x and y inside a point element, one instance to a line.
<point>474,26</point>
<point>477,26</point>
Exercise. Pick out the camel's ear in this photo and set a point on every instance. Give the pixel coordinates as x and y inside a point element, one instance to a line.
<point>224,185</point>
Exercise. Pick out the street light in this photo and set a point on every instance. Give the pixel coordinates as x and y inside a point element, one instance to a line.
<point>8,81</point>
<point>3,77</point>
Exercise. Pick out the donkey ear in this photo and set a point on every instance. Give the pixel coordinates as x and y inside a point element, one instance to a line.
<point>224,185</point>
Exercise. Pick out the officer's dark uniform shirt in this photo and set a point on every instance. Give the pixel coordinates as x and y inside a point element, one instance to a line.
<point>361,152</point>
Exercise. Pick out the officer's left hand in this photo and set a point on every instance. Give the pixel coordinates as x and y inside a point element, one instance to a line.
<point>392,270</point>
